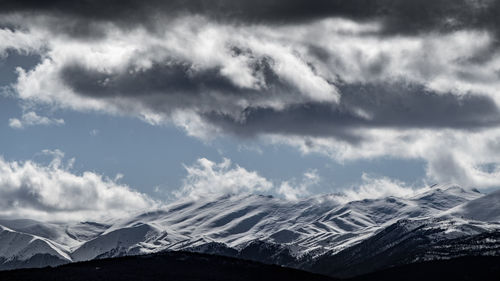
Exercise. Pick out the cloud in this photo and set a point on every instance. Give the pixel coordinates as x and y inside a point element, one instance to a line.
<point>207,178</point>
<point>159,77</point>
<point>294,191</point>
<point>53,192</point>
<point>349,79</point>
<point>33,119</point>
<point>466,164</point>
<point>368,106</point>
<point>398,17</point>
<point>23,42</point>
<point>451,156</point>
<point>94,132</point>
<point>258,80</point>
<point>377,187</point>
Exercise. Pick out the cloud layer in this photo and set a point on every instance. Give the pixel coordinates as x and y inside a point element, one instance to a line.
<point>350,79</point>
<point>397,17</point>
<point>206,178</point>
<point>53,192</point>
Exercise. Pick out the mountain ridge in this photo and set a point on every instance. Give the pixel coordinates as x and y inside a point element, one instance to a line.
<point>301,234</point>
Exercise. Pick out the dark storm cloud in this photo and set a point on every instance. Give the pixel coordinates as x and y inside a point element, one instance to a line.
<point>406,105</point>
<point>165,78</point>
<point>168,87</point>
<point>172,76</point>
<point>411,16</point>
<point>312,119</point>
<point>175,85</point>
<point>386,106</point>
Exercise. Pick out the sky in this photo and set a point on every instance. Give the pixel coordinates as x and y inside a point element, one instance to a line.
<point>111,106</point>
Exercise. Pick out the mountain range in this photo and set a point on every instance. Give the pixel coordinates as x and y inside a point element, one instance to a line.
<point>324,234</point>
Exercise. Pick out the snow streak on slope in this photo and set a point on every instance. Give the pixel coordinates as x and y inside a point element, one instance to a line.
<point>22,246</point>
<point>126,240</point>
<point>486,208</point>
<point>246,225</point>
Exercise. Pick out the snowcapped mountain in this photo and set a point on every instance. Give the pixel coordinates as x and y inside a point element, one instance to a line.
<point>486,208</point>
<point>309,234</point>
<point>20,249</point>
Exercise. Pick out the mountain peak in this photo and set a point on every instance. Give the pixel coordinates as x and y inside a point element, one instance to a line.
<point>308,227</point>
<point>485,208</point>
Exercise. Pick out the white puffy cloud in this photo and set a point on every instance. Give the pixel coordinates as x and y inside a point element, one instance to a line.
<point>378,187</point>
<point>53,192</point>
<point>207,178</point>
<point>292,190</point>
<point>22,41</point>
<point>33,119</point>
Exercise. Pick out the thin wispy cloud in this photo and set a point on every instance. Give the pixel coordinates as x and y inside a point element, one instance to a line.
<point>31,118</point>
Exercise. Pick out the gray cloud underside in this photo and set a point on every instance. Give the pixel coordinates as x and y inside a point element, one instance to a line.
<point>166,88</point>
<point>387,106</point>
<point>173,84</point>
<point>401,17</point>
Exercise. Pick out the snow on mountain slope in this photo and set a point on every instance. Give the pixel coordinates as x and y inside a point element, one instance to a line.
<point>407,241</point>
<point>486,208</point>
<point>85,231</point>
<point>311,226</point>
<point>50,231</point>
<point>251,224</point>
<point>26,242</point>
<point>119,242</point>
<point>444,197</point>
<point>22,246</point>
<point>45,230</point>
